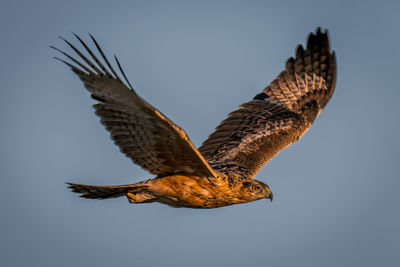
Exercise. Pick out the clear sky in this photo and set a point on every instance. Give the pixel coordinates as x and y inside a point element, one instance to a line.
<point>336,190</point>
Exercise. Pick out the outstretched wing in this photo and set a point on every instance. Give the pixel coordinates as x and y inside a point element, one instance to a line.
<point>278,116</point>
<point>142,133</point>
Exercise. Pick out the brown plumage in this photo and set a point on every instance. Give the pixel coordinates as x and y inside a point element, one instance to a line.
<point>221,171</point>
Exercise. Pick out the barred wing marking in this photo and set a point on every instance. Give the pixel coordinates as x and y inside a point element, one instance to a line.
<point>244,142</point>
<point>142,133</point>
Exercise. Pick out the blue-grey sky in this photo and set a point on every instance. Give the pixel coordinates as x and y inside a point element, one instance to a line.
<point>336,190</point>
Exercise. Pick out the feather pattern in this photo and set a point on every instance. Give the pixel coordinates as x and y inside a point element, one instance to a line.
<point>142,133</point>
<point>278,116</point>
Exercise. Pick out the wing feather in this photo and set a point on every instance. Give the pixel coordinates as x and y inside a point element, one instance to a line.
<point>276,117</point>
<point>142,133</point>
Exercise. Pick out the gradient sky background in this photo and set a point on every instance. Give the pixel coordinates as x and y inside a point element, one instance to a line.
<point>336,191</point>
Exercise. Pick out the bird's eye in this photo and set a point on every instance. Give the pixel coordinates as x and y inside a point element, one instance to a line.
<point>255,188</point>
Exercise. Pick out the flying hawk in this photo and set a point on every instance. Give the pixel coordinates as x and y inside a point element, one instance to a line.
<point>221,172</point>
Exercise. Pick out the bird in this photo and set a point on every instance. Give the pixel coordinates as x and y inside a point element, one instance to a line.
<point>222,170</point>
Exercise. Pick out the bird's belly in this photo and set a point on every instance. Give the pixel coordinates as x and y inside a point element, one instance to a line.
<point>190,191</point>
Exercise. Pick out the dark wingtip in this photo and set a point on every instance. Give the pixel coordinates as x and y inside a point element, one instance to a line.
<point>72,187</point>
<point>57,49</point>
<point>62,38</point>
<point>76,35</point>
<point>319,37</point>
<point>319,32</point>
<point>65,62</point>
<point>123,73</point>
<point>299,51</point>
<point>75,189</point>
<point>97,98</point>
<point>94,40</point>
<point>261,96</point>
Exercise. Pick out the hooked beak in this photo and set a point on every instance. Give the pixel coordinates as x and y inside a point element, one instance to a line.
<point>270,196</point>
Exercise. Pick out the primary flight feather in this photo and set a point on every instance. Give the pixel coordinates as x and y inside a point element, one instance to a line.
<point>221,172</point>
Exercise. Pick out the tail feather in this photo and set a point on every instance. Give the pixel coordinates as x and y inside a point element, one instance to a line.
<point>102,192</point>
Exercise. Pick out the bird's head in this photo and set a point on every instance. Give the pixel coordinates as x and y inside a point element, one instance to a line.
<point>254,190</point>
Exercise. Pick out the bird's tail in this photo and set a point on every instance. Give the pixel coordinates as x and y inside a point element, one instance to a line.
<point>136,193</point>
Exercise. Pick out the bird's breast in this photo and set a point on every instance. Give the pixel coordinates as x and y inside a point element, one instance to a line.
<point>191,191</point>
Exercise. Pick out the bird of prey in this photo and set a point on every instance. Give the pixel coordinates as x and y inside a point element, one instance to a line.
<point>221,171</point>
